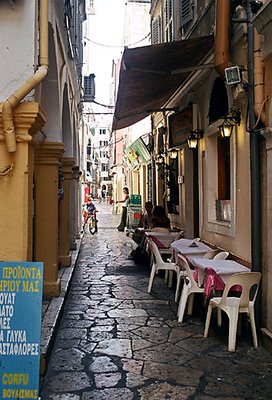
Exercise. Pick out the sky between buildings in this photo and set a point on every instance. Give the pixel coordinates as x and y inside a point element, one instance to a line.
<point>106,43</point>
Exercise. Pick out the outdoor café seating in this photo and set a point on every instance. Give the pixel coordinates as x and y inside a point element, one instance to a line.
<point>190,287</point>
<point>211,253</point>
<point>222,255</point>
<point>212,272</point>
<point>233,305</point>
<point>159,264</point>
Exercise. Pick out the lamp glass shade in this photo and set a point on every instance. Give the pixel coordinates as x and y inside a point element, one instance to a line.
<point>226,130</point>
<point>173,153</point>
<point>192,142</point>
<point>160,160</point>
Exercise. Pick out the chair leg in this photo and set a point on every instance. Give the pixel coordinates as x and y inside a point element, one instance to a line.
<point>207,323</point>
<point>239,324</point>
<point>170,278</point>
<point>182,302</point>
<point>151,278</point>
<point>179,277</point>
<point>190,303</point>
<point>219,316</point>
<point>253,328</point>
<point>151,260</point>
<point>233,320</point>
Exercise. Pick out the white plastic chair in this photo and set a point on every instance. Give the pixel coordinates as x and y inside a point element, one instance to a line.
<point>190,287</point>
<point>195,240</point>
<point>158,264</point>
<point>210,254</point>
<point>159,229</point>
<point>180,235</point>
<point>221,256</point>
<point>233,306</point>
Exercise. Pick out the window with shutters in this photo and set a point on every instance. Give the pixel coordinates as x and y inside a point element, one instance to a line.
<point>89,88</point>
<point>169,28</point>
<point>156,30</point>
<point>186,12</point>
<point>91,9</point>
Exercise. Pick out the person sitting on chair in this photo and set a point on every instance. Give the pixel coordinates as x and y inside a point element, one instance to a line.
<point>159,218</point>
<point>146,218</point>
<point>145,222</point>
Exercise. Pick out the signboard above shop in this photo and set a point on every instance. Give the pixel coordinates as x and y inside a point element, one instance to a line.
<point>137,153</point>
<point>180,127</point>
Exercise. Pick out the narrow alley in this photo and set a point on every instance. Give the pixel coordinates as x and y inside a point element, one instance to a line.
<point>115,341</point>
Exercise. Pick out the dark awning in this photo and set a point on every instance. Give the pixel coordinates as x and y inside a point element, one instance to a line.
<point>149,75</point>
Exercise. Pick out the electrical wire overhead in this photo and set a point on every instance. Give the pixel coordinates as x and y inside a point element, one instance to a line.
<point>114,46</point>
<point>103,105</point>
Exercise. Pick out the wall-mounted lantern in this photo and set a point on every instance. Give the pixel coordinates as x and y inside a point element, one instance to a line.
<point>193,139</point>
<point>173,153</point>
<point>232,119</point>
<point>160,160</point>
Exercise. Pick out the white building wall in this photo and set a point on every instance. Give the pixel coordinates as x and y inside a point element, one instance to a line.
<point>17,45</point>
<point>136,34</point>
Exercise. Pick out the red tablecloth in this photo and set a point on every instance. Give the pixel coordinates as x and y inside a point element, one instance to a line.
<point>213,282</point>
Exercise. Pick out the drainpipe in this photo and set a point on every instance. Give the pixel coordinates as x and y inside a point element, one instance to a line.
<point>153,164</point>
<point>255,104</point>
<point>258,80</point>
<point>255,164</point>
<point>10,104</point>
<point>221,41</point>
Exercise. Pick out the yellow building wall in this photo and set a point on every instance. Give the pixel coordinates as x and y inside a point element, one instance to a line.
<point>16,185</point>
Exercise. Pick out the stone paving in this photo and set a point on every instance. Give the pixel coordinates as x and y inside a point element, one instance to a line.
<point>116,342</point>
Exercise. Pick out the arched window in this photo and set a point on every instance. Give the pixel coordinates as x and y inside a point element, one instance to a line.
<point>218,101</point>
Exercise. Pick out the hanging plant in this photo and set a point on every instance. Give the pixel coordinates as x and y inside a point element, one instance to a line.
<point>60,188</point>
<point>60,193</point>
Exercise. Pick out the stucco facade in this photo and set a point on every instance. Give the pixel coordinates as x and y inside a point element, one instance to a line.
<point>38,178</point>
<point>235,233</point>
<point>219,191</point>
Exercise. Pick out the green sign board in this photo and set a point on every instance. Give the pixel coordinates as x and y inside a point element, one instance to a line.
<point>137,153</point>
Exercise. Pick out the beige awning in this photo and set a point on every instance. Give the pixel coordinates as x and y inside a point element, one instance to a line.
<point>150,75</point>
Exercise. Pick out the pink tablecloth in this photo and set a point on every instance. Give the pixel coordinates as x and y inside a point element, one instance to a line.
<point>213,282</point>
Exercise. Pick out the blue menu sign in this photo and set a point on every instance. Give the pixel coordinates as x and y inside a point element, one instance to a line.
<point>20,329</point>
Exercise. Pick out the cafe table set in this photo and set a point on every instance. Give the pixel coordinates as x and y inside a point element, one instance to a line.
<point>200,274</point>
<point>209,273</point>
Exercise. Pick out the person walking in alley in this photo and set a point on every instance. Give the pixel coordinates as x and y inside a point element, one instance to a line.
<point>125,201</point>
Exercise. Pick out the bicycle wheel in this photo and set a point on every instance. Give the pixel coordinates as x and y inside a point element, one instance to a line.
<point>92,227</point>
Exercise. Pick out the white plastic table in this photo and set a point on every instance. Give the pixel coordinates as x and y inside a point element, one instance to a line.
<point>165,238</point>
<point>183,246</point>
<point>223,268</point>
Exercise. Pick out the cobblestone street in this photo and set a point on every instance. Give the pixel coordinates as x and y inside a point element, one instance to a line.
<point>115,341</point>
